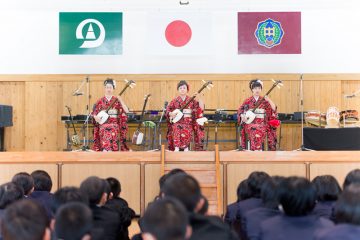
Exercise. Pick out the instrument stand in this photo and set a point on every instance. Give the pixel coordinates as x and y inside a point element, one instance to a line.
<point>302,147</point>
<point>85,147</point>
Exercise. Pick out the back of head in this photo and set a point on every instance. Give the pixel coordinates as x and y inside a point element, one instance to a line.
<point>184,188</point>
<point>66,195</point>
<point>25,181</point>
<point>115,186</point>
<point>347,209</point>
<point>173,172</point>
<point>243,191</point>
<point>351,178</point>
<point>24,219</point>
<point>94,188</point>
<point>73,221</point>
<point>327,188</point>
<point>42,181</point>
<point>9,193</point>
<point>165,219</point>
<point>297,196</point>
<point>269,193</point>
<point>255,181</point>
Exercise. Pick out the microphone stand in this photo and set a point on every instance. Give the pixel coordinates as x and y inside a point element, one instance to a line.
<point>302,147</point>
<point>159,125</point>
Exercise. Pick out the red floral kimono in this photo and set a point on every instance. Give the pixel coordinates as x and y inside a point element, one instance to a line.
<point>180,134</point>
<point>261,127</point>
<point>114,130</point>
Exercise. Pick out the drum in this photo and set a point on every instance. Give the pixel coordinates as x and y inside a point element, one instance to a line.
<point>332,117</point>
<point>349,118</point>
<point>315,118</point>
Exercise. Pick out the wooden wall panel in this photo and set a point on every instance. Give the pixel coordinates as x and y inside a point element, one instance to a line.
<point>238,172</point>
<point>40,100</point>
<point>9,170</point>
<point>127,174</point>
<point>338,170</point>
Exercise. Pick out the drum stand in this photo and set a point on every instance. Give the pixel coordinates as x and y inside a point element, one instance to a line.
<point>302,147</point>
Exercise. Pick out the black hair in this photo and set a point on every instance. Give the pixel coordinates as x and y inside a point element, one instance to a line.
<point>327,188</point>
<point>73,221</point>
<point>255,181</point>
<point>297,196</point>
<point>255,83</point>
<point>269,193</point>
<point>9,193</point>
<point>115,186</point>
<point>68,194</point>
<point>205,207</point>
<point>165,219</point>
<point>94,188</point>
<point>243,191</point>
<point>24,219</point>
<point>166,176</point>
<point>109,81</point>
<point>352,177</point>
<point>185,188</point>
<point>182,83</point>
<point>42,181</point>
<point>347,208</point>
<point>25,181</point>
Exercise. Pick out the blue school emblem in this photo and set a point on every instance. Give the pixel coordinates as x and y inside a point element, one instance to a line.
<point>269,33</point>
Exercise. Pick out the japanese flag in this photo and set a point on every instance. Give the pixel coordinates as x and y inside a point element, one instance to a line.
<point>172,33</point>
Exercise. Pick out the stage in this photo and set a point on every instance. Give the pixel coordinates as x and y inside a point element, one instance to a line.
<point>139,171</point>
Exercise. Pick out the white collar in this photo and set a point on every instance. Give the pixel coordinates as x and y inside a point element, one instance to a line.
<point>256,98</point>
<point>108,97</point>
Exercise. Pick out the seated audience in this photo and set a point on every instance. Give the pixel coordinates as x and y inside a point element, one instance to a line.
<point>297,197</point>
<point>351,178</point>
<point>254,181</point>
<point>66,195</point>
<point>186,189</point>
<point>243,193</point>
<point>347,213</point>
<point>9,193</point>
<point>327,192</point>
<point>42,188</point>
<point>253,218</point>
<point>25,181</point>
<point>73,221</point>
<point>120,205</point>
<point>104,218</point>
<point>165,219</point>
<point>25,219</point>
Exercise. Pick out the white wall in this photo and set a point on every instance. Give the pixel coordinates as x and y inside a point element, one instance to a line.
<point>29,38</point>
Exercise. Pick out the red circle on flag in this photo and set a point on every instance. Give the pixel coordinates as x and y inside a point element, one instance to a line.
<point>178,33</point>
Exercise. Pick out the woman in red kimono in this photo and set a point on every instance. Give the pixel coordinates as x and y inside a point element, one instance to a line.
<point>265,123</point>
<point>180,134</point>
<point>108,135</point>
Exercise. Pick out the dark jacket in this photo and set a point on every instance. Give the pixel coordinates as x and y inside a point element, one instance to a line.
<point>284,227</point>
<point>210,228</point>
<point>107,222</point>
<point>126,214</point>
<point>253,218</point>
<point>46,199</point>
<point>324,209</point>
<point>341,231</point>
